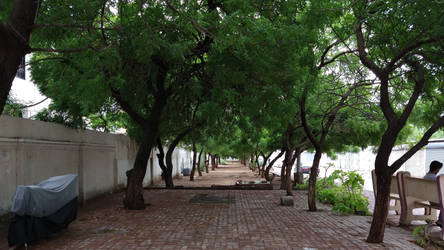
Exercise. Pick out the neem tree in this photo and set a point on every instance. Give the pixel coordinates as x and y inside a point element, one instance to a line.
<point>265,60</point>
<point>142,53</point>
<point>136,52</point>
<point>401,43</point>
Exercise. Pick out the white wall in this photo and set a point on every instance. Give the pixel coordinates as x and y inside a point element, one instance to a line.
<point>32,151</point>
<point>434,152</point>
<point>363,162</point>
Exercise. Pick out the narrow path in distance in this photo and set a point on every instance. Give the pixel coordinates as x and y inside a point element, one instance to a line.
<point>223,175</point>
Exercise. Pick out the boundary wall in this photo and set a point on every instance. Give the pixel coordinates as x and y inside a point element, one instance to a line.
<point>32,151</point>
<point>363,162</point>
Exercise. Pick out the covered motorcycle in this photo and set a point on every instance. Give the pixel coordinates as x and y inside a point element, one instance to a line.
<point>43,209</point>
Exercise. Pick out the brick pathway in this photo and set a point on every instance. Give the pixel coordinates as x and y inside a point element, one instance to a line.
<point>253,221</point>
<point>223,175</point>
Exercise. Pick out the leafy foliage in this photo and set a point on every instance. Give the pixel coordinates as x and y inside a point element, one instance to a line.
<point>108,119</point>
<point>60,116</point>
<point>423,234</point>
<point>13,108</point>
<point>344,190</point>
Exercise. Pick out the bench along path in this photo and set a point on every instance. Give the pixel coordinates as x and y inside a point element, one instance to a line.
<point>217,219</point>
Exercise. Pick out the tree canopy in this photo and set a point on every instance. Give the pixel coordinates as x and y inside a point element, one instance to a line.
<point>241,77</point>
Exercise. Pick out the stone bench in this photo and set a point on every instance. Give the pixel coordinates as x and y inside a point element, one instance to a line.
<point>410,193</point>
<point>394,194</point>
<point>419,193</point>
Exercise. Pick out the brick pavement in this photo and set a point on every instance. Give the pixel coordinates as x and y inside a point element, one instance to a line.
<point>223,175</point>
<point>253,221</point>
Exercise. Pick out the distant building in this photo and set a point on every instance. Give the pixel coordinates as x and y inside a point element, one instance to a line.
<point>25,92</point>
<point>21,72</point>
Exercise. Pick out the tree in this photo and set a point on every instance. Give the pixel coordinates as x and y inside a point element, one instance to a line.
<point>405,53</point>
<point>270,165</point>
<point>319,141</point>
<point>15,34</point>
<point>143,55</point>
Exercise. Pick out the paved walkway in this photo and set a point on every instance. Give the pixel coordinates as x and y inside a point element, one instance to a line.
<point>217,219</point>
<point>223,175</point>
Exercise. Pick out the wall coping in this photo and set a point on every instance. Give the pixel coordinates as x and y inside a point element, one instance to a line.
<point>15,128</point>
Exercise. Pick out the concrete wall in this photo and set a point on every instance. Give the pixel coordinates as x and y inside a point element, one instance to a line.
<point>363,162</point>
<point>32,151</point>
<point>434,152</point>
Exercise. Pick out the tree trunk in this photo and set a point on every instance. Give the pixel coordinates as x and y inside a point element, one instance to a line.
<point>160,158</point>
<point>258,167</point>
<point>299,177</point>
<point>216,161</point>
<point>193,168</point>
<point>284,174</point>
<point>288,178</point>
<point>312,180</point>
<point>14,43</point>
<point>213,162</point>
<point>134,191</point>
<point>169,158</point>
<point>288,171</point>
<point>377,228</point>
<point>198,162</point>
<point>267,170</point>
<point>265,163</point>
<point>207,162</point>
<point>169,183</point>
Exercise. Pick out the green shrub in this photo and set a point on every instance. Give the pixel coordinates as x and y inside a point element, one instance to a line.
<point>302,186</point>
<point>326,195</point>
<point>422,233</point>
<point>253,165</point>
<point>343,190</point>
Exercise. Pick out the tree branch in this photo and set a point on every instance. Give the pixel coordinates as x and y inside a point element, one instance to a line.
<point>75,26</point>
<point>327,50</point>
<point>386,108</point>
<point>127,107</point>
<point>323,64</point>
<point>407,49</point>
<point>35,104</point>
<point>101,21</point>
<point>196,26</point>
<point>424,140</point>
<point>304,122</point>
<point>73,50</point>
<point>45,59</point>
<point>176,140</point>
<point>60,50</point>
<point>419,84</point>
<point>363,54</point>
<point>161,155</point>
